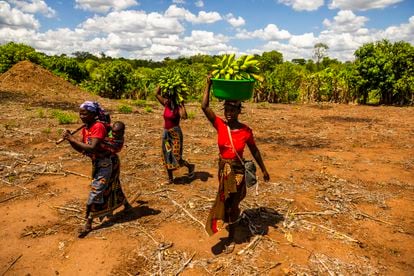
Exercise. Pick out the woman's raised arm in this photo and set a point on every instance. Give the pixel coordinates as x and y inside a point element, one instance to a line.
<point>205,105</point>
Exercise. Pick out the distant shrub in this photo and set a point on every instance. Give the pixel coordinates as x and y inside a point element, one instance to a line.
<point>148,109</point>
<point>64,117</point>
<point>191,114</point>
<point>126,109</point>
<point>140,103</point>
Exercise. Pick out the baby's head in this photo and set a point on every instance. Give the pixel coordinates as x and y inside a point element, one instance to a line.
<point>118,129</point>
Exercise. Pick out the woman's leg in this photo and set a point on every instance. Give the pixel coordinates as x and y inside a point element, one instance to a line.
<point>170,176</point>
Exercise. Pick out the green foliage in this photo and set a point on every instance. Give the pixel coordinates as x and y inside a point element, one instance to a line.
<point>64,117</point>
<point>111,79</point>
<point>388,69</point>
<point>191,114</point>
<point>148,109</point>
<point>67,68</point>
<point>126,109</point>
<point>139,103</point>
<point>269,60</point>
<point>12,53</point>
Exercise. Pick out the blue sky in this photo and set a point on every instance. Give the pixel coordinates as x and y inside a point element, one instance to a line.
<point>155,29</point>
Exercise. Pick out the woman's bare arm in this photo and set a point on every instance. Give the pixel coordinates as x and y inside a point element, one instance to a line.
<point>205,105</point>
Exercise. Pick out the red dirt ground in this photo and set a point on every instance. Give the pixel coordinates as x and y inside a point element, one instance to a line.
<point>340,198</point>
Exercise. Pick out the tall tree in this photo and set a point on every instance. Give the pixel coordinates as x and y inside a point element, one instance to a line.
<point>319,52</point>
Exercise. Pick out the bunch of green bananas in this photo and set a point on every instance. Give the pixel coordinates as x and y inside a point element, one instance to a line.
<point>244,68</point>
<point>172,84</point>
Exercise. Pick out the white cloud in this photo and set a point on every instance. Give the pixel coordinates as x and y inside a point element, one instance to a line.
<point>178,1</point>
<point>361,4</point>
<point>235,22</point>
<point>104,6</point>
<point>402,32</point>
<point>270,32</point>
<point>307,40</point>
<point>345,21</point>
<point>34,6</point>
<point>15,19</point>
<point>303,5</point>
<point>183,14</point>
<point>199,4</point>
<point>137,22</point>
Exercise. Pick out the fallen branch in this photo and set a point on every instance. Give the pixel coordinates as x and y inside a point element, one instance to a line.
<point>325,266</point>
<point>332,231</point>
<point>67,209</point>
<point>7,199</point>
<point>187,212</point>
<point>185,265</point>
<point>323,213</point>
<point>10,266</point>
<point>251,245</point>
<point>78,174</point>
<point>269,268</point>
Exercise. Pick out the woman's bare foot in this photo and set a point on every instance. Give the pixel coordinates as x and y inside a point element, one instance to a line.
<point>84,230</point>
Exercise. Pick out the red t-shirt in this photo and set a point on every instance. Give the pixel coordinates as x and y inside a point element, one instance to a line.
<point>97,130</point>
<point>171,117</point>
<point>241,137</point>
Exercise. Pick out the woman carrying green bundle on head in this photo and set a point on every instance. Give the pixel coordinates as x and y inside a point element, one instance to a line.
<point>231,171</point>
<point>172,136</point>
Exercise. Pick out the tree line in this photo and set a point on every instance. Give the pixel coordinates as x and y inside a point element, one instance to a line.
<point>382,73</point>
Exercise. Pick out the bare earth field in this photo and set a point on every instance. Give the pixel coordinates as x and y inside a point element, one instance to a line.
<point>339,202</point>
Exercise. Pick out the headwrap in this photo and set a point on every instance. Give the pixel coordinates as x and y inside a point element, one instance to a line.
<point>94,107</point>
<point>90,106</point>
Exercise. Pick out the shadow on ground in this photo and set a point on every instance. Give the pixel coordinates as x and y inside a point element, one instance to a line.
<point>252,222</point>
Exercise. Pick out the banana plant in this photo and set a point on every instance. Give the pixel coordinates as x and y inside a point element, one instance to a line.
<point>243,68</point>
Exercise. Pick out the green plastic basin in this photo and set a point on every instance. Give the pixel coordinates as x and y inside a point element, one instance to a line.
<point>233,89</point>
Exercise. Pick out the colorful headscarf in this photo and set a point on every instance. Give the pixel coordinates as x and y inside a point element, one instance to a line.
<point>94,107</point>
<point>90,106</point>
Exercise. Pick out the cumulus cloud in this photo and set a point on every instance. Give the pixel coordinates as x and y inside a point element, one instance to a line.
<point>345,21</point>
<point>183,14</point>
<point>307,40</point>
<point>402,32</point>
<point>270,32</point>
<point>178,1</point>
<point>137,22</point>
<point>235,22</point>
<point>15,19</point>
<point>361,5</point>
<point>34,6</point>
<point>303,5</point>
<point>104,6</point>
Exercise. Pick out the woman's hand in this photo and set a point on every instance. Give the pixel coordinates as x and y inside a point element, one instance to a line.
<point>67,135</point>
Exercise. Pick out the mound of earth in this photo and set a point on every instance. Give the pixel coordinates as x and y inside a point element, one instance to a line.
<point>28,82</point>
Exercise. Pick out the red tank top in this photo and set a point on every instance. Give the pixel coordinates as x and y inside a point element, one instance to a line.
<point>241,137</point>
<point>171,117</point>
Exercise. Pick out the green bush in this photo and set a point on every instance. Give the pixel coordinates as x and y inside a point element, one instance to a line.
<point>148,109</point>
<point>140,103</point>
<point>126,109</point>
<point>64,117</point>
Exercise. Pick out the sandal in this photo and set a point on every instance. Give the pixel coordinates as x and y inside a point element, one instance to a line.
<point>84,230</point>
<point>229,248</point>
<point>191,171</point>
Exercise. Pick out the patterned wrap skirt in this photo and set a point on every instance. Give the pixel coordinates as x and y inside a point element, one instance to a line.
<point>106,193</point>
<point>231,191</point>
<point>172,147</point>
